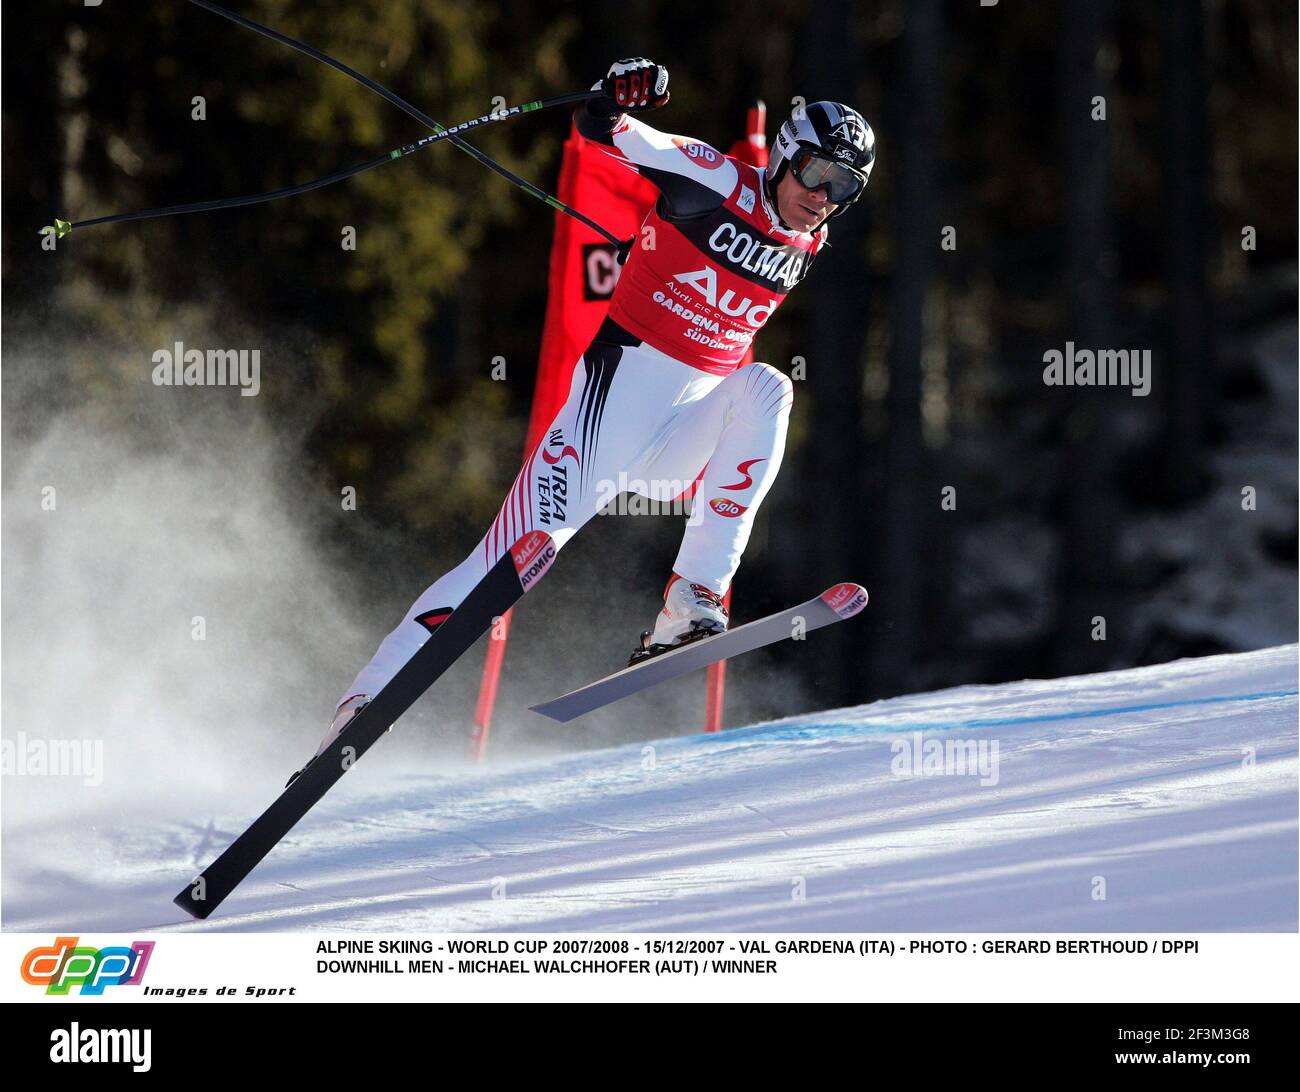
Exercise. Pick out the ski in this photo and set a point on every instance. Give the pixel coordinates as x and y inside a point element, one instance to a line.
<point>833,605</point>
<point>515,573</point>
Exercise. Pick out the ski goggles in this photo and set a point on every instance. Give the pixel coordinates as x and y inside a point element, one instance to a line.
<point>842,184</point>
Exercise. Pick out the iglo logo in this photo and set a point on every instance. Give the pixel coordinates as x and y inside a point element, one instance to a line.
<point>702,154</point>
<point>65,965</point>
<point>725,506</point>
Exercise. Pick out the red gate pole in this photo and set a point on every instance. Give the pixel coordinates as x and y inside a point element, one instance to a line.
<point>716,687</point>
<point>752,149</point>
<point>487,694</point>
<point>584,309</point>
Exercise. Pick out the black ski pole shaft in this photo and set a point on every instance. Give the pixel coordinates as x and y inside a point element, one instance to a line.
<point>405,106</point>
<point>63,227</point>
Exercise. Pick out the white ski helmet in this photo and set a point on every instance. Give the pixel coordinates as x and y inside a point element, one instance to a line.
<point>829,130</point>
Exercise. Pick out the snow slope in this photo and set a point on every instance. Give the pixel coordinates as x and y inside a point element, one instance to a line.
<point>1139,780</point>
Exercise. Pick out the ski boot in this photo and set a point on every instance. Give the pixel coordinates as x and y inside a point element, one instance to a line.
<point>691,612</point>
<point>344,713</point>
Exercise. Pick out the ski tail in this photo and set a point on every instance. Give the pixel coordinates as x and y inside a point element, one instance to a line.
<point>835,604</point>
<point>517,571</point>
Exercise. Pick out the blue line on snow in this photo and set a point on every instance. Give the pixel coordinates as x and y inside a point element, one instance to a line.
<point>832,729</point>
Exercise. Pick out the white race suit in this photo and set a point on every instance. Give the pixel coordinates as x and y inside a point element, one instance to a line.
<point>660,394</point>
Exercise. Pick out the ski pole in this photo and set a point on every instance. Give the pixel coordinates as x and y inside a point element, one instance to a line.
<point>62,228</point>
<point>405,106</point>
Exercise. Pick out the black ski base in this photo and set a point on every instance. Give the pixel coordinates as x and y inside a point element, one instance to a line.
<point>648,651</point>
<point>516,571</point>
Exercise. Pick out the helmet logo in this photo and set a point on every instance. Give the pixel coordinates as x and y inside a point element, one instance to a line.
<point>851,130</point>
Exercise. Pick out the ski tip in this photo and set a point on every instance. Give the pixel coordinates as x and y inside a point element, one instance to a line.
<point>532,556</point>
<point>846,600</point>
<point>548,710</point>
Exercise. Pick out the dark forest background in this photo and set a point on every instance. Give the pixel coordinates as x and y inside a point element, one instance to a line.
<point>923,364</point>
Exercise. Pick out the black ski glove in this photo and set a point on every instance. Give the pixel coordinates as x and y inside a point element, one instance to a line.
<point>632,86</point>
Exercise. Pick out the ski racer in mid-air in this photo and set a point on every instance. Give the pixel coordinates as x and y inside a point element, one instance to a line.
<point>661,393</point>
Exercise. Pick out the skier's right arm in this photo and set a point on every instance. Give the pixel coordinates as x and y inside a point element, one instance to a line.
<point>689,173</point>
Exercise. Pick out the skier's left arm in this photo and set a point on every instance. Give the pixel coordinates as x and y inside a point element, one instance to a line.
<point>689,173</point>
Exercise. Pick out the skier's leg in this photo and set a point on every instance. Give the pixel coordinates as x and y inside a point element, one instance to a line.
<point>738,429</point>
<point>610,416</point>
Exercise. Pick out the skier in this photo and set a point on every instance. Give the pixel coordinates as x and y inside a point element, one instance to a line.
<point>660,393</point>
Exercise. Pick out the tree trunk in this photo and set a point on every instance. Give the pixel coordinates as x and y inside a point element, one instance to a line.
<point>1088,527</point>
<point>917,103</point>
<point>833,345</point>
<point>1183,372</point>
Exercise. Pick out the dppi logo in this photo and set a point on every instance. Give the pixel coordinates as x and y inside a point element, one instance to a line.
<point>65,965</point>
